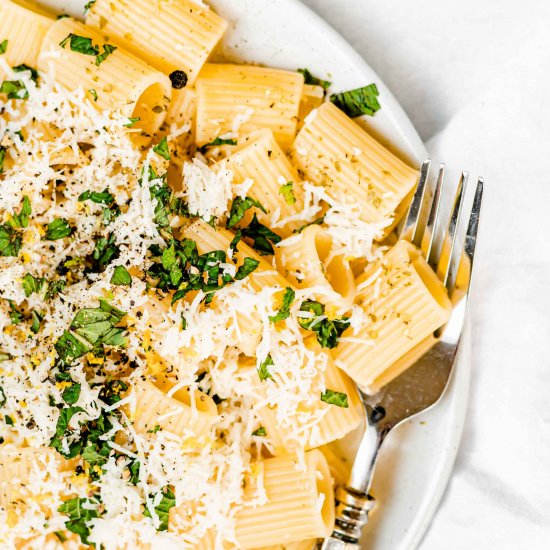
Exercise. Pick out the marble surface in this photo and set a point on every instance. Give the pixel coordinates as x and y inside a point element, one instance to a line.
<point>474,77</point>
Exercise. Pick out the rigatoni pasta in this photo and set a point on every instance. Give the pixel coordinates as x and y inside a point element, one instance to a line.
<point>335,152</point>
<point>309,260</point>
<point>406,303</point>
<point>23,31</point>
<point>275,182</point>
<point>112,77</point>
<point>238,99</point>
<point>299,506</point>
<point>169,35</point>
<point>184,412</point>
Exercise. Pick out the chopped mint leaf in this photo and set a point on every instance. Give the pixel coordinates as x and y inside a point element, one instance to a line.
<point>216,143</point>
<point>263,370</point>
<point>103,197</point>
<point>328,330</point>
<point>80,44</point>
<point>80,511</point>
<point>313,80</point>
<point>284,310</point>
<point>58,229</point>
<point>239,207</point>
<point>121,276</point>
<point>361,101</point>
<point>32,284</point>
<point>22,219</point>
<point>248,266</point>
<point>335,398</point>
<point>162,149</point>
<point>10,241</point>
<point>132,121</point>
<point>163,509</point>
<point>261,236</point>
<point>287,191</point>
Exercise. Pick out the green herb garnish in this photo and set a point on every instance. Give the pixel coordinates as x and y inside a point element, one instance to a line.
<point>99,198</point>
<point>121,276</point>
<point>108,49</point>
<point>132,121</point>
<point>80,511</point>
<point>162,149</point>
<point>22,219</point>
<point>162,509</point>
<point>10,241</point>
<point>263,371</point>
<point>261,236</point>
<point>58,229</point>
<point>260,432</point>
<point>32,284</point>
<point>335,398</point>
<point>284,310</point>
<point>90,329</point>
<point>313,80</point>
<point>93,93</point>
<point>328,330</point>
<point>216,143</point>
<point>287,191</point>
<point>3,46</point>
<point>80,44</point>
<point>239,208</point>
<point>362,101</point>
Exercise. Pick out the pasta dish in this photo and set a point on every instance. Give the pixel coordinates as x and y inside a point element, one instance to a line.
<point>198,264</point>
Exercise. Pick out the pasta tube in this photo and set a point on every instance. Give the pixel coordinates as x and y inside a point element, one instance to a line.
<point>300,504</point>
<point>309,261</point>
<point>238,99</point>
<point>179,414</point>
<point>406,305</point>
<point>333,151</point>
<point>173,35</point>
<point>276,184</point>
<point>24,31</point>
<point>335,422</point>
<point>120,81</point>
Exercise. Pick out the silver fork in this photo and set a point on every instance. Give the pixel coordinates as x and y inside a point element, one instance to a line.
<point>422,385</point>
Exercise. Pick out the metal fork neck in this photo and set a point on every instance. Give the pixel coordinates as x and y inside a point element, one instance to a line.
<point>352,510</point>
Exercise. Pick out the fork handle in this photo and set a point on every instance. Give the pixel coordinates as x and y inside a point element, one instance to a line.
<point>352,509</point>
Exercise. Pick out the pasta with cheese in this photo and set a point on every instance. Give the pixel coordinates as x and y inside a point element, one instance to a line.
<point>197,268</point>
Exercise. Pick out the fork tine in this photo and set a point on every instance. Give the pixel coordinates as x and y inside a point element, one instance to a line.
<point>410,227</point>
<point>461,283</point>
<point>429,232</point>
<point>447,247</point>
<point>473,224</point>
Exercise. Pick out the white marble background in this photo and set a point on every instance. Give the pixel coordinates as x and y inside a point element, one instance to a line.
<point>474,77</point>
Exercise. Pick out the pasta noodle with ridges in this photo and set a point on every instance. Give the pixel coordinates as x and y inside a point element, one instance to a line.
<point>121,82</point>
<point>169,35</point>
<point>308,260</point>
<point>238,99</point>
<point>299,506</point>
<point>24,30</point>
<point>261,159</point>
<point>408,306</point>
<point>181,414</point>
<point>334,151</point>
<point>334,423</point>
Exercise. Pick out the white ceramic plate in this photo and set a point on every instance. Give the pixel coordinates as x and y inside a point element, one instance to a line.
<point>417,458</point>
